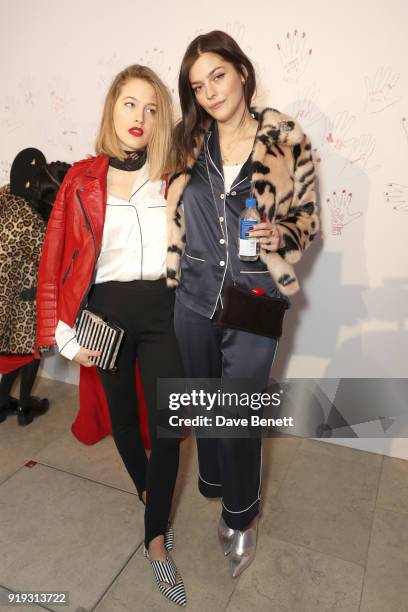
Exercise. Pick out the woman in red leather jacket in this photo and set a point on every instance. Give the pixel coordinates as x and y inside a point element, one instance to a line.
<point>105,249</point>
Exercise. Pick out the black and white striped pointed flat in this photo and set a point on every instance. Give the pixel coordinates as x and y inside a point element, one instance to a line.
<point>169,538</point>
<point>166,572</point>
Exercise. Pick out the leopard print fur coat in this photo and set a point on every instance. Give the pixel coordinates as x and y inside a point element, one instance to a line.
<point>22,233</point>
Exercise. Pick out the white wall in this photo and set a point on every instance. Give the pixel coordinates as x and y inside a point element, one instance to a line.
<point>342,74</point>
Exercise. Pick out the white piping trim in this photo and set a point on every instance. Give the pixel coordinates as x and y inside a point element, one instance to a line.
<point>221,175</point>
<point>138,189</point>
<point>222,229</point>
<point>260,466</point>
<point>192,257</point>
<point>206,481</point>
<point>239,511</point>
<point>257,499</point>
<point>233,186</point>
<point>68,341</point>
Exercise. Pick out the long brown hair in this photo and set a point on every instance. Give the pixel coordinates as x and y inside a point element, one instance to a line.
<point>194,118</point>
<point>159,149</point>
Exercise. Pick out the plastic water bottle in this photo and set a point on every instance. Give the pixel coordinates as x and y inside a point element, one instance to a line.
<point>248,247</point>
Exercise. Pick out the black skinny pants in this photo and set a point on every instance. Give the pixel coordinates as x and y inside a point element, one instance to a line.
<point>145,310</point>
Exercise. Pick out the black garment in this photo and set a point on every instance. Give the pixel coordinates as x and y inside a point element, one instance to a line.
<point>7,381</point>
<point>145,310</point>
<point>212,220</point>
<point>228,467</point>
<point>134,161</point>
<point>28,375</point>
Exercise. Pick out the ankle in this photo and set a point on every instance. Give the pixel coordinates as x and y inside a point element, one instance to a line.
<point>156,548</point>
<point>253,523</point>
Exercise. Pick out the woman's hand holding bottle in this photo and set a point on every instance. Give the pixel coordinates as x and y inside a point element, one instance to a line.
<point>268,235</point>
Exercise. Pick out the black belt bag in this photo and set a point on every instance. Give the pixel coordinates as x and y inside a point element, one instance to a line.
<point>253,313</point>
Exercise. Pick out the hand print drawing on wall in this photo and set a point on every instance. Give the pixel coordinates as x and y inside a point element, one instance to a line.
<point>294,55</point>
<point>238,30</point>
<point>61,117</point>
<point>338,132</point>
<point>29,91</point>
<point>57,102</point>
<point>397,196</point>
<point>380,89</point>
<point>28,97</point>
<point>404,124</point>
<point>11,115</point>
<point>155,59</point>
<point>305,108</point>
<point>106,68</point>
<point>5,168</point>
<point>360,150</point>
<point>356,150</point>
<point>339,206</point>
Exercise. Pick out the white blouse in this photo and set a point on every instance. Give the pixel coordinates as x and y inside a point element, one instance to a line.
<point>230,174</point>
<point>134,244</point>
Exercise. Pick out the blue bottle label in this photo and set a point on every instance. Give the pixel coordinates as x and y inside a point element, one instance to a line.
<point>247,245</point>
<point>244,226</point>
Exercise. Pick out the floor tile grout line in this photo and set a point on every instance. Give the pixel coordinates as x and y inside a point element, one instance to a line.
<point>371,532</point>
<point>11,475</point>
<point>232,594</point>
<point>116,577</point>
<point>104,484</point>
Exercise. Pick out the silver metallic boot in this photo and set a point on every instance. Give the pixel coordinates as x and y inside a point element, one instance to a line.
<point>243,550</point>
<point>225,536</point>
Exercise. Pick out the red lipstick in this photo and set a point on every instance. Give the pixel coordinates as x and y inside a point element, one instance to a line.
<point>136,131</point>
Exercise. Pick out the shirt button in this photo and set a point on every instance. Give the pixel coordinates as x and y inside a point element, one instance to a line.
<point>221,219</point>
<point>233,193</point>
<point>222,263</point>
<point>222,196</point>
<point>222,241</point>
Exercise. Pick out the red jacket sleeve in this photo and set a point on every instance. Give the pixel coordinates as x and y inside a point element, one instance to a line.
<point>50,269</point>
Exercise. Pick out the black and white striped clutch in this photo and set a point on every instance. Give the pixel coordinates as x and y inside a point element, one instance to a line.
<point>96,334</point>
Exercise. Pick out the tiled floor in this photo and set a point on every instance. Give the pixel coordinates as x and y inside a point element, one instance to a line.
<point>334,532</point>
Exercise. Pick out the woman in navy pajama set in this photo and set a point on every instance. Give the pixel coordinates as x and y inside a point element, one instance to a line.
<point>228,152</point>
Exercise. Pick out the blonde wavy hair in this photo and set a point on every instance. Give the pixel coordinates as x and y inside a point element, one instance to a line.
<point>159,150</point>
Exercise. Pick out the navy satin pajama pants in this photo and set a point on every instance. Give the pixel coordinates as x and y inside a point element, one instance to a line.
<point>229,468</point>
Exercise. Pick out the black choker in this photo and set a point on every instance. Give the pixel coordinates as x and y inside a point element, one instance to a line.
<point>134,161</point>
